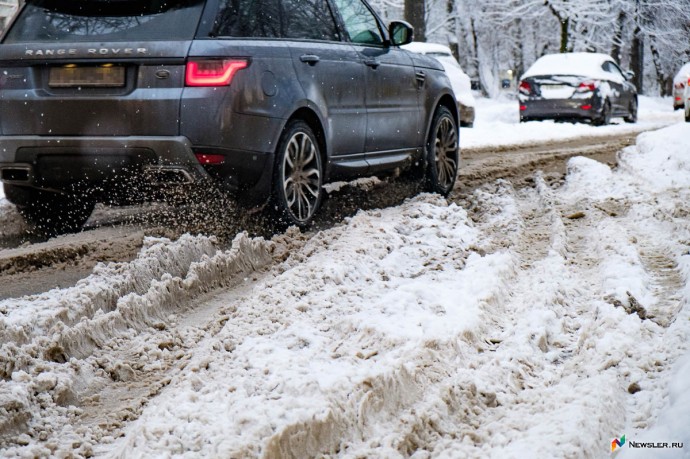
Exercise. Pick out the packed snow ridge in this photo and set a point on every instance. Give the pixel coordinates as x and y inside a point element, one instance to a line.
<point>538,322</point>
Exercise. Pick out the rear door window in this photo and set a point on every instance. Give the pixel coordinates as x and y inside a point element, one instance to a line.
<point>104,20</point>
<point>296,19</point>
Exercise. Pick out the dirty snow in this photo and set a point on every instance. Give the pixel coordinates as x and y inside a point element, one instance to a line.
<point>538,322</point>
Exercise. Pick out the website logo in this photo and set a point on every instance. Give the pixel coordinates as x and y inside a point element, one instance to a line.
<point>617,443</point>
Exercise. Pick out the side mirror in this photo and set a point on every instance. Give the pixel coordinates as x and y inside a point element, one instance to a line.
<point>400,33</point>
<point>629,75</point>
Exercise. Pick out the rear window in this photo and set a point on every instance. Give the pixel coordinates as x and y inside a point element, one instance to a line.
<point>105,20</point>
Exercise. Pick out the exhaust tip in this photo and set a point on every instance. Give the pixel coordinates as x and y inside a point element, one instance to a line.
<point>15,174</point>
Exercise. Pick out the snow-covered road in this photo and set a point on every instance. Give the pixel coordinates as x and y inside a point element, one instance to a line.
<point>528,322</point>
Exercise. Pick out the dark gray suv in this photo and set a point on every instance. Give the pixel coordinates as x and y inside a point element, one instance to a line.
<point>118,100</point>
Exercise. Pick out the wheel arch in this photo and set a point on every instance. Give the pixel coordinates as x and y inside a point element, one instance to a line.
<point>445,100</point>
<point>313,120</point>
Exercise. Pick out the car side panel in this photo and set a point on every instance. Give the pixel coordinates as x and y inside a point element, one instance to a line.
<point>333,79</point>
<point>250,113</point>
<point>393,112</point>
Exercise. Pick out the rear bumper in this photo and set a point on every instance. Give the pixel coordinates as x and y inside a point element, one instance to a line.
<point>100,164</point>
<point>557,109</point>
<point>467,114</point>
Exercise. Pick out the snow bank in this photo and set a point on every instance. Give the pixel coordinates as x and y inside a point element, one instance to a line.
<point>661,158</point>
<point>46,338</point>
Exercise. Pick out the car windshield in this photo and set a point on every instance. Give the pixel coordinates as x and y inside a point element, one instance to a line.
<point>105,20</point>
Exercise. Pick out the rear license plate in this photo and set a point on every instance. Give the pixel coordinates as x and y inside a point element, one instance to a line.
<point>91,76</point>
<point>549,87</point>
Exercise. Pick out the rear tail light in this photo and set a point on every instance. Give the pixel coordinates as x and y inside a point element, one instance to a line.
<point>523,108</point>
<point>213,72</point>
<point>680,85</point>
<point>586,107</point>
<point>525,88</point>
<point>587,86</point>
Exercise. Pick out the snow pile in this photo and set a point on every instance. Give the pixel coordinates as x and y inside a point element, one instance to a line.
<point>47,339</point>
<point>336,342</point>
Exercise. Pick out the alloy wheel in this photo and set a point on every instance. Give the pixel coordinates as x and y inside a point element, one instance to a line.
<point>301,177</point>
<point>446,152</point>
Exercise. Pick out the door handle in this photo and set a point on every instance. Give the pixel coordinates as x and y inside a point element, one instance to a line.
<point>311,59</point>
<point>373,63</point>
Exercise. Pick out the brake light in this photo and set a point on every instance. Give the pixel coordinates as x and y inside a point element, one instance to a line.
<point>587,86</point>
<point>213,72</point>
<point>680,85</point>
<point>525,88</point>
<point>586,107</point>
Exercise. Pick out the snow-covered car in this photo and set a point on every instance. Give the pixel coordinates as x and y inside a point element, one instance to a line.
<point>459,80</point>
<point>577,87</point>
<point>680,82</point>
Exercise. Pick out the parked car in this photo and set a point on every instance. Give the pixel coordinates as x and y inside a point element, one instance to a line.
<point>269,99</point>
<point>686,97</point>
<point>680,82</point>
<point>577,87</point>
<point>462,86</point>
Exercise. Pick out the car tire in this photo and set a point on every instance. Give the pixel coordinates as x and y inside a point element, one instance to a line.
<point>442,153</point>
<point>50,213</point>
<point>687,116</point>
<point>632,111</point>
<point>298,178</point>
<point>605,118</point>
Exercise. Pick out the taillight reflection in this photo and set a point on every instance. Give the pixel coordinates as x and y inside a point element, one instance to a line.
<point>213,72</point>
<point>209,159</point>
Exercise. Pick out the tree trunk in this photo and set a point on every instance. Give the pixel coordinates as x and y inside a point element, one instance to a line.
<point>564,34</point>
<point>618,37</point>
<point>565,25</point>
<point>665,81</point>
<point>415,15</point>
<point>637,59</point>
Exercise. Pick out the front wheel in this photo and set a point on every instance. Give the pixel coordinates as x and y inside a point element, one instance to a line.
<point>298,179</point>
<point>50,213</point>
<point>442,153</point>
